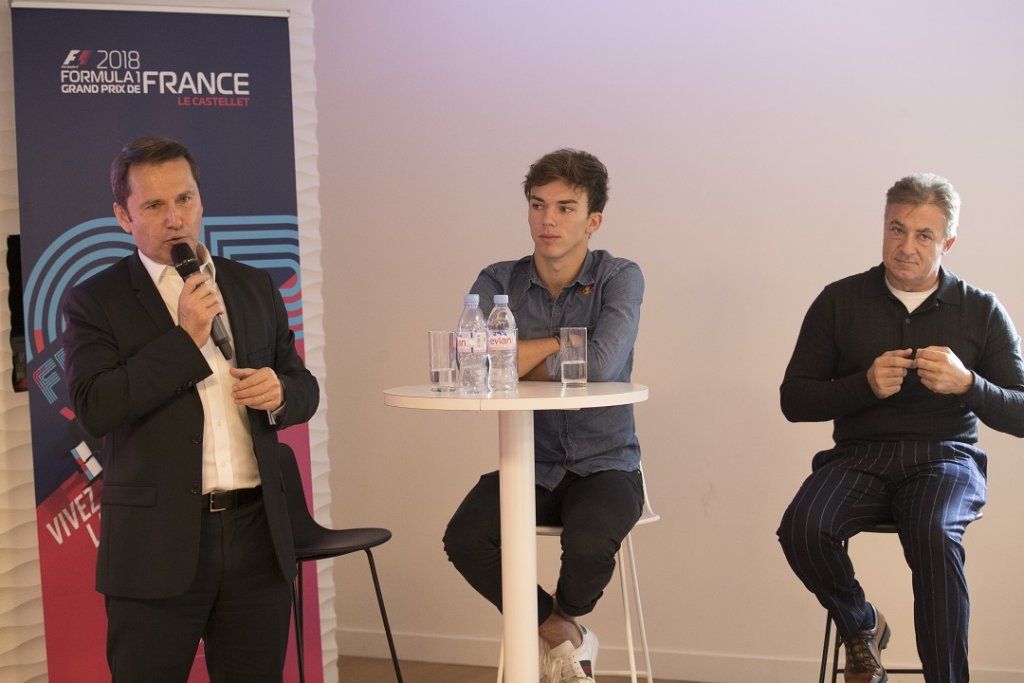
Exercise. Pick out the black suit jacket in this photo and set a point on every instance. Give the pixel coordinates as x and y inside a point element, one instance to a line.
<point>131,374</point>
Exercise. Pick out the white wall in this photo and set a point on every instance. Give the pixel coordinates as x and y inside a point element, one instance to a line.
<point>750,145</point>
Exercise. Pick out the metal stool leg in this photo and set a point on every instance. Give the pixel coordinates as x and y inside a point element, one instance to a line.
<point>624,587</point>
<point>645,647</point>
<point>297,611</point>
<point>384,616</point>
<point>825,652</point>
<point>824,649</point>
<point>835,657</point>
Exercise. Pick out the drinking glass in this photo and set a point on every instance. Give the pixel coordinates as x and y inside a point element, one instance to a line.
<point>441,349</point>
<point>573,356</point>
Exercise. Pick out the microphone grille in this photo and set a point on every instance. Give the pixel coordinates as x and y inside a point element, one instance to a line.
<point>181,254</point>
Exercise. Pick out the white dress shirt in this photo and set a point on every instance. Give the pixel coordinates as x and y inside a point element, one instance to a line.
<point>228,458</point>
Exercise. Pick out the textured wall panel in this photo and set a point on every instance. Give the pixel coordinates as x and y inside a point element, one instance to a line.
<point>22,650</point>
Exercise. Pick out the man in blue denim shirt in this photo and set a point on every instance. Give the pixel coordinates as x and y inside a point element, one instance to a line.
<point>588,479</point>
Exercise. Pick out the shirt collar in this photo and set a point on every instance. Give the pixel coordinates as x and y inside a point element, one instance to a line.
<point>948,291</point>
<point>586,275</point>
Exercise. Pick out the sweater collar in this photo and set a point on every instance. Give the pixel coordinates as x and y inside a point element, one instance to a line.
<point>948,291</point>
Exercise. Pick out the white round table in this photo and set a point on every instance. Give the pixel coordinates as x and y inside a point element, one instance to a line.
<point>518,506</point>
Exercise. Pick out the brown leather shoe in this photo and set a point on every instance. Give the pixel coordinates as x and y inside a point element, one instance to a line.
<point>863,653</point>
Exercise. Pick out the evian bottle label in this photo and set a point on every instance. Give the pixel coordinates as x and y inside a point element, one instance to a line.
<point>471,343</point>
<point>501,340</point>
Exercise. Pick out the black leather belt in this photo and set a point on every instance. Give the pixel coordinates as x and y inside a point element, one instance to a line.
<point>219,501</point>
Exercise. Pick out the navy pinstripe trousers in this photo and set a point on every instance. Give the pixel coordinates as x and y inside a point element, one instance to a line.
<point>932,491</point>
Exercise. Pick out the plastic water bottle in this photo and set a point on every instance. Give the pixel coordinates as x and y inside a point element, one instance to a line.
<point>503,374</point>
<point>471,345</point>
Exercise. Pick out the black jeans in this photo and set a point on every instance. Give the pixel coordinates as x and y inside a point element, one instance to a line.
<point>595,513</point>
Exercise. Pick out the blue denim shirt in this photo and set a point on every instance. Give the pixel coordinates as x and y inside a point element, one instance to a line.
<point>605,298</point>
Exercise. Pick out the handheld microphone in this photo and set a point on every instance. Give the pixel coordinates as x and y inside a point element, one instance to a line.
<point>186,264</point>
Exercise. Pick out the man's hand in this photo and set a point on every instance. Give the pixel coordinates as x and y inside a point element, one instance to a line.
<point>197,306</point>
<point>941,371</point>
<point>257,389</point>
<point>887,372</point>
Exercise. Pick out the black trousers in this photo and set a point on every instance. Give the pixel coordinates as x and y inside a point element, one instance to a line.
<point>239,604</point>
<point>932,491</point>
<point>595,513</point>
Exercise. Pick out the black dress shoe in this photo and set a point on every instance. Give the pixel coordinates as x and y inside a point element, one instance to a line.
<point>863,653</point>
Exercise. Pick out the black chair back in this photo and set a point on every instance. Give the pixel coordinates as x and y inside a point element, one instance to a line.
<point>305,529</point>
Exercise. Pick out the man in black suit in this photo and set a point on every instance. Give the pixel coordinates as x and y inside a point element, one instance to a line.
<point>195,540</point>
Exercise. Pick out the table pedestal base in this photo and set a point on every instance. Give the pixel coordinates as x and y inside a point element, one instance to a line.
<point>518,545</point>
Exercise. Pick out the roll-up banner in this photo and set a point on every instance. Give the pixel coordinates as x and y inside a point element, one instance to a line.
<point>88,80</point>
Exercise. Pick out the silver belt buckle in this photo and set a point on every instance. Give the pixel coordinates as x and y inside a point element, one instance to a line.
<point>213,497</point>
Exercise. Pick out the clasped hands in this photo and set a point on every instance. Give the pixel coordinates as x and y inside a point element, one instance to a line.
<point>938,367</point>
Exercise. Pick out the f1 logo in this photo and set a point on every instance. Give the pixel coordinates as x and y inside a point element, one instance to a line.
<point>80,56</point>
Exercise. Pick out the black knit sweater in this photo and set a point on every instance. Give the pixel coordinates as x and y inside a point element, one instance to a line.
<point>855,320</point>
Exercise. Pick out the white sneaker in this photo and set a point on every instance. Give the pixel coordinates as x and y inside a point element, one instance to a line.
<point>568,664</point>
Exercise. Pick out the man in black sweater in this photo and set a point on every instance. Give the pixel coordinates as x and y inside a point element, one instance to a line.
<point>905,359</point>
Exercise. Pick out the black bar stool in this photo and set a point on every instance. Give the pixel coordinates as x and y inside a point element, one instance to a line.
<point>314,542</point>
<point>881,528</point>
